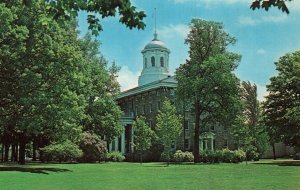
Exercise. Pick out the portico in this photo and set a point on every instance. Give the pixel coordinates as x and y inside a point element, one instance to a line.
<point>207,141</point>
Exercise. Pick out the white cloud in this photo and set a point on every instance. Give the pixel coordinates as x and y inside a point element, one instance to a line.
<point>210,2</point>
<point>275,19</point>
<point>127,78</point>
<point>261,51</point>
<point>293,5</point>
<point>250,21</point>
<point>261,92</point>
<point>172,31</point>
<point>246,20</point>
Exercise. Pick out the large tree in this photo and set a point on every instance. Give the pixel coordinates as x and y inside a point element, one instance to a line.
<point>249,133</point>
<point>102,112</point>
<point>41,76</point>
<point>206,79</point>
<point>282,105</point>
<point>168,126</point>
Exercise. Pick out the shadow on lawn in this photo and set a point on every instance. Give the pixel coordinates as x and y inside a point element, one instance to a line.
<point>281,163</point>
<point>33,170</point>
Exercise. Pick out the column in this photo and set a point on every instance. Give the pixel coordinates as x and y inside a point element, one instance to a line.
<point>205,144</point>
<point>123,142</point>
<point>116,143</point>
<point>212,143</point>
<point>201,144</point>
<point>132,139</point>
<point>110,147</point>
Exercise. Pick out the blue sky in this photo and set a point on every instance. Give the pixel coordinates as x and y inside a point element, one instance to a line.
<point>262,37</point>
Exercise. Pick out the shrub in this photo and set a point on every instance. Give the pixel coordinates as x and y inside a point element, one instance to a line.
<point>164,157</point>
<point>180,156</point>
<point>297,156</point>
<point>64,152</point>
<point>251,153</point>
<point>203,156</point>
<point>218,156</point>
<point>228,155</point>
<point>94,149</point>
<point>225,155</point>
<point>238,156</point>
<point>114,156</point>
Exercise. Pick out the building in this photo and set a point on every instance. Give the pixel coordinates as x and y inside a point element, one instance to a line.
<point>154,85</point>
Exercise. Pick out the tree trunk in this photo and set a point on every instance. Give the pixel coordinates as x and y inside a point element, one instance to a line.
<point>6,152</point>
<point>2,153</point>
<point>274,151</point>
<point>34,146</point>
<point>16,152</point>
<point>197,132</point>
<point>12,152</point>
<point>22,143</point>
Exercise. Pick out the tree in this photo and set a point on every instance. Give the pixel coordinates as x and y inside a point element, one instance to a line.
<point>93,148</point>
<point>282,105</point>
<point>248,131</point>
<point>142,136</point>
<point>42,76</point>
<point>168,126</point>
<point>206,79</point>
<point>97,10</point>
<point>103,113</point>
<point>266,4</point>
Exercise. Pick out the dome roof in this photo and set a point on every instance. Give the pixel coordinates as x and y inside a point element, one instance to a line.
<point>155,43</point>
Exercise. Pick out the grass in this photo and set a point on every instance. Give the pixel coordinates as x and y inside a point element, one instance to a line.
<point>261,175</point>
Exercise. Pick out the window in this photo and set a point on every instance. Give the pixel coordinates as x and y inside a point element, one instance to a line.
<point>212,128</point>
<point>186,124</point>
<point>214,144</point>
<point>145,62</point>
<point>136,110</point>
<point>226,144</point>
<point>173,145</point>
<point>144,109</point>
<point>186,144</point>
<point>150,108</point>
<point>162,63</point>
<point>158,105</point>
<point>153,61</point>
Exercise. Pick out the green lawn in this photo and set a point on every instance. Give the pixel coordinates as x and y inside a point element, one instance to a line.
<point>264,175</point>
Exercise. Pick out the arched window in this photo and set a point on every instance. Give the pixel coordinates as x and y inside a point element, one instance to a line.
<point>153,61</point>
<point>162,63</point>
<point>145,62</point>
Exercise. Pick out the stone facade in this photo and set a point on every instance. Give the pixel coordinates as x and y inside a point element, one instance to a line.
<point>155,84</point>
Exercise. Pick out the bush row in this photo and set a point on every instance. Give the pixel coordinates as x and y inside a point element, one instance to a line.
<point>225,155</point>
<point>208,156</point>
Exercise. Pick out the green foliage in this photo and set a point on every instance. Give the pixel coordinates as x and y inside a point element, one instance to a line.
<point>168,126</point>
<point>103,113</point>
<point>93,148</point>
<point>207,79</point>
<point>180,156</point>
<point>282,105</point>
<point>248,131</point>
<point>142,134</point>
<point>63,152</point>
<point>54,84</point>
<point>225,156</point>
<point>65,10</point>
<point>114,156</point>
<point>280,4</point>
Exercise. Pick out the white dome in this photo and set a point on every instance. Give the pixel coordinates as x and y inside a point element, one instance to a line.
<point>155,44</point>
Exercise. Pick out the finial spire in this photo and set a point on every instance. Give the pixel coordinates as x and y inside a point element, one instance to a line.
<point>155,33</point>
